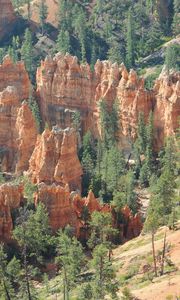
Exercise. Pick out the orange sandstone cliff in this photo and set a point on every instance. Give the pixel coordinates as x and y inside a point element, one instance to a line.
<point>63,86</point>
<point>10,197</point>
<point>50,159</point>
<point>55,159</point>
<point>167,108</point>
<point>7,17</point>
<point>17,125</point>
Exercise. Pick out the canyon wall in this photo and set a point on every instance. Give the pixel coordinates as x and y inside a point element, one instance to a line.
<point>7,17</point>
<point>50,159</point>
<point>17,125</point>
<point>11,196</point>
<point>64,86</point>
<point>167,108</point>
<point>55,159</point>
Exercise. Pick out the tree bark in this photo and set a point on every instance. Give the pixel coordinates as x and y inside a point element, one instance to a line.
<point>26,273</point>
<point>6,290</point>
<point>154,254</point>
<point>163,254</point>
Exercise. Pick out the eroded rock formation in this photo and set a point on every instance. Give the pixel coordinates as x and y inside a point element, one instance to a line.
<point>59,206</point>
<point>27,135</point>
<point>17,125</point>
<point>55,159</point>
<point>167,108</point>
<point>10,197</point>
<point>7,17</point>
<point>63,86</point>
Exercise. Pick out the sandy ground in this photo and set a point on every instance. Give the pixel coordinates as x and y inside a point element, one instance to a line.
<point>163,286</point>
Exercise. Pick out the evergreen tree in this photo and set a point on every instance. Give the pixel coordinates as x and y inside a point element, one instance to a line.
<point>171,57</point>
<point>15,46</point>
<point>176,18</point>
<point>153,36</point>
<point>28,2</point>
<point>63,42</point>
<point>81,31</point>
<point>101,230</point>
<point>11,53</point>
<point>141,134</point>
<point>88,159</point>
<point>2,54</point>
<point>109,123</point>
<point>151,225</point>
<point>147,168</point>
<point>115,168</point>
<point>10,275</point>
<point>26,52</point>
<point>116,52</point>
<point>43,13</point>
<point>35,111</point>
<point>131,194</point>
<point>130,53</point>
<point>21,234</point>
<point>70,259</point>
<point>77,120</point>
<point>104,279</point>
<point>65,15</point>
<point>32,234</point>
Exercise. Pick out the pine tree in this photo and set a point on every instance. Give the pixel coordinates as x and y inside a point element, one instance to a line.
<point>4,280</point>
<point>131,194</point>
<point>26,52</point>
<point>171,57</point>
<point>43,13</point>
<point>101,230</point>
<point>104,279</point>
<point>115,52</point>
<point>153,36</point>
<point>35,111</point>
<point>81,31</point>
<point>15,46</point>
<point>151,225</point>
<point>32,234</point>
<point>147,168</point>
<point>28,2</point>
<point>141,132</point>
<point>88,161</point>
<point>176,18</point>
<point>130,53</point>
<point>2,54</point>
<point>116,167</point>
<point>71,259</point>
<point>109,123</point>
<point>63,42</point>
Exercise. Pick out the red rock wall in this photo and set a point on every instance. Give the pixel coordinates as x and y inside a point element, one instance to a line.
<point>7,16</point>
<point>55,159</point>
<point>10,198</point>
<point>64,85</point>
<point>167,108</point>
<point>17,125</point>
<point>59,206</point>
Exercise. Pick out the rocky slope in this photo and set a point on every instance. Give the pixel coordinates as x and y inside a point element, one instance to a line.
<point>134,266</point>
